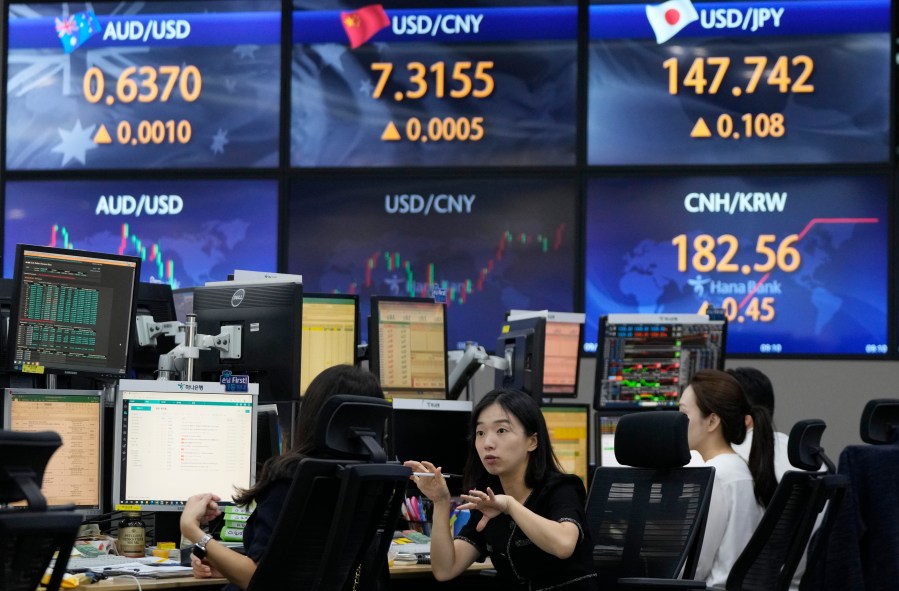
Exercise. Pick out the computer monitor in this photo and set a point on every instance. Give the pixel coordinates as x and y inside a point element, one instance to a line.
<point>569,433</point>
<point>74,474</point>
<point>184,302</point>
<point>522,342</point>
<point>156,300</point>
<point>270,316</point>
<point>561,350</point>
<point>606,425</point>
<point>268,434</point>
<point>407,346</point>
<point>646,360</point>
<point>330,333</point>
<point>6,290</point>
<point>177,439</point>
<point>72,311</point>
<point>432,430</point>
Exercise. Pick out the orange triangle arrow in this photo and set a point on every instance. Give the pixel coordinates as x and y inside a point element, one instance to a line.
<point>391,134</point>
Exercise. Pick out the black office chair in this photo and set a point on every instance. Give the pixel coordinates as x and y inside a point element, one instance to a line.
<point>338,520</point>
<point>861,548</point>
<point>30,535</point>
<point>648,520</point>
<point>769,559</point>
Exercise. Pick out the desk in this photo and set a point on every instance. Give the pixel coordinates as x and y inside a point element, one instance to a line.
<point>424,570</point>
<point>128,584</point>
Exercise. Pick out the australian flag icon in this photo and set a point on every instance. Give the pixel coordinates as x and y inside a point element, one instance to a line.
<point>75,29</point>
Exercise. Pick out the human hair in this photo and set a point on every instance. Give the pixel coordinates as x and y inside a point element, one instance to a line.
<point>541,462</point>
<point>720,393</point>
<point>339,379</point>
<point>756,386</point>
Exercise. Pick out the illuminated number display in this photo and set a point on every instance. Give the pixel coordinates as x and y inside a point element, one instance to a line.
<point>795,263</point>
<point>792,82</point>
<point>427,84</point>
<point>166,85</point>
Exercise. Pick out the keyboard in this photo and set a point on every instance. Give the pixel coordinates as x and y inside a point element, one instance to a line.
<point>103,561</point>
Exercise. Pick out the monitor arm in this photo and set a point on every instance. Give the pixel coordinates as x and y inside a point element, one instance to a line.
<point>181,358</point>
<point>472,359</point>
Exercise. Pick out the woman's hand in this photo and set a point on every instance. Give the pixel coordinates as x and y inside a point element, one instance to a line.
<point>489,504</point>
<point>434,487</point>
<point>202,569</point>
<point>197,510</point>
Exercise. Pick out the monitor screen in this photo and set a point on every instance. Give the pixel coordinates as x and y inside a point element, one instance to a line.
<point>522,342</point>
<point>269,317</point>
<point>646,360</point>
<point>186,232</point>
<point>330,323</point>
<point>177,439</point>
<point>788,257</point>
<point>569,433</point>
<point>184,303</point>
<point>74,474</point>
<point>782,83</point>
<point>606,427</point>
<point>424,83</point>
<point>562,349</point>
<point>408,347</point>
<point>73,311</point>
<point>436,431</point>
<point>493,244</point>
<point>176,84</point>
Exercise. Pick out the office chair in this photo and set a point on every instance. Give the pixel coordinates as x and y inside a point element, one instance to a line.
<point>338,520</point>
<point>648,520</point>
<point>770,557</point>
<point>861,548</point>
<point>30,535</point>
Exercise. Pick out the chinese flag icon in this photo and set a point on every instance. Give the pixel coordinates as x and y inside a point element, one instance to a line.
<point>361,25</point>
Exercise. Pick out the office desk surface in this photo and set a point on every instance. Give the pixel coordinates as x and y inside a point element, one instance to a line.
<point>129,584</point>
<point>424,570</point>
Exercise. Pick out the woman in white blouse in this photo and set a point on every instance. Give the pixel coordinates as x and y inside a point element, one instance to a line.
<point>717,408</point>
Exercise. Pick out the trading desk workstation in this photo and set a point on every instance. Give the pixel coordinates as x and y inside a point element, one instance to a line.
<point>83,332</point>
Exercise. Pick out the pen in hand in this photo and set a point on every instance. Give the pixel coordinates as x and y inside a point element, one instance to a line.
<point>433,474</point>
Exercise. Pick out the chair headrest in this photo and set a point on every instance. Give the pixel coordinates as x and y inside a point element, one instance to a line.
<point>804,448</point>
<point>880,421</point>
<point>23,458</point>
<point>654,439</point>
<point>352,427</point>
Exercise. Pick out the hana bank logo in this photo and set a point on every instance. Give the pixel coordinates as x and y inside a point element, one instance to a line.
<point>669,18</point>
<point>363,24</point>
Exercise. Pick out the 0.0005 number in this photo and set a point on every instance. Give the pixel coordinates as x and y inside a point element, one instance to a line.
<point>154,132</point>
<point>445,129</point>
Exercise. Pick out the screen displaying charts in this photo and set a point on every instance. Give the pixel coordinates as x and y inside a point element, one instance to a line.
<point>492,244</point>
<point>784,82</point>
<point>185,232</point>
<point>789,259</point>
<point>182,84</point>
<point>450,83</point>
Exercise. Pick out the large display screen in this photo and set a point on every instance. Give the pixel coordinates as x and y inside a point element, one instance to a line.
<point>796,262</point>
<point>492,244</point>
<point>413,83</point>
<point>185,84</point>
<point>185,232</point>
<point>784,82</point>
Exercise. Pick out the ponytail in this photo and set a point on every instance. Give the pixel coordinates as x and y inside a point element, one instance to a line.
<point>761,455</point>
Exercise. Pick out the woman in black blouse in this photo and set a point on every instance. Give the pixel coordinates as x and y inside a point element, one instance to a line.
<point>272,485</point>
<point>527,515</point>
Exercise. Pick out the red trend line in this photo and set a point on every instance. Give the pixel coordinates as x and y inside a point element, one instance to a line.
<point>801,235</point>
